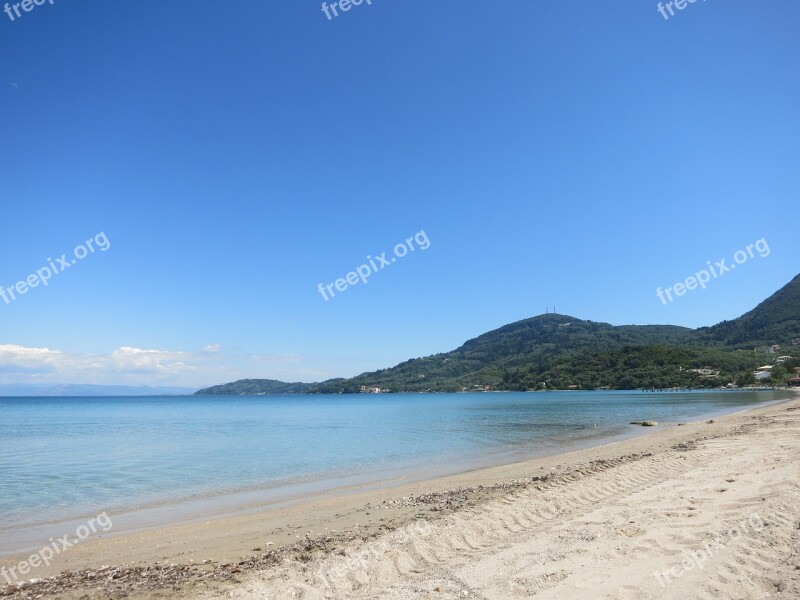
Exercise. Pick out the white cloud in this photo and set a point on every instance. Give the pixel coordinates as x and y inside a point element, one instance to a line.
<point>136,366</point>
<point>128,359</point>
<point>28,359</point>
<point>21,364</point>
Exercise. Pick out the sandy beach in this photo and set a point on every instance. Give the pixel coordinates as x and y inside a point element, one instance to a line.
<point>271,299</point>
<point>706,510</point>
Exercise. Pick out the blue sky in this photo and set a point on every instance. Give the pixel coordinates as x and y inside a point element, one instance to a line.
<point>572,154</point>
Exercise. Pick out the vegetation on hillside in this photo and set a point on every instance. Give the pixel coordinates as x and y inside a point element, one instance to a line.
<point>254,387</point>
<point>774,321</point>
<point>561,352</point>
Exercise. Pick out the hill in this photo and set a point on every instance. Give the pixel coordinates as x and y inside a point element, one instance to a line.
<point>774,321</point>
<point>256,387</point>
<point>496,358</point>
<point>559,352</point>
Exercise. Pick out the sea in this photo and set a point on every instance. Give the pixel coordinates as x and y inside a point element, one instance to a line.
<point>152,461</point>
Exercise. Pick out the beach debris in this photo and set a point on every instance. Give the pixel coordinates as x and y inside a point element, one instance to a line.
<point>645,423</point>
<point>133,580</point>
<point>685,446</point>
<point>460,497</point>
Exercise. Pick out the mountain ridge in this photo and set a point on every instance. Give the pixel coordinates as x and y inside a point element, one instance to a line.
<point>553,351</point>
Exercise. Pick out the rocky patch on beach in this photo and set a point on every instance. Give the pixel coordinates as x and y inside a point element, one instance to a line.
<point>461,497</point>
<point>116,582</point>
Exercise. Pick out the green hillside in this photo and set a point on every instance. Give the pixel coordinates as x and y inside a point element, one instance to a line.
<point>537,343</point>
<point>560,352</point>
<point>774,321</point>
<point>254,387</point>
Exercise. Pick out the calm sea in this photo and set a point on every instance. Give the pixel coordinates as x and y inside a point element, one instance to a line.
<point>150,461</point>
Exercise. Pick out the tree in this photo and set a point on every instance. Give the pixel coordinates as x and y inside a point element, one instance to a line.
<point>779,375</point>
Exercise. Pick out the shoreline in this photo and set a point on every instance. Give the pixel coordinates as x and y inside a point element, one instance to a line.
<point>251,500</point>
<point>216,551</point>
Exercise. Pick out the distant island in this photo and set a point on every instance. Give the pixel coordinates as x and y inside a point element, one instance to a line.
<point>75,389</point>
<point>559,352</point>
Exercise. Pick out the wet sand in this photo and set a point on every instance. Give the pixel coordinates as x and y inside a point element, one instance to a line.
<point>594,523</point>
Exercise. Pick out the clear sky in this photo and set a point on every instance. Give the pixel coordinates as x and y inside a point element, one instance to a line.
<point>236,155</point>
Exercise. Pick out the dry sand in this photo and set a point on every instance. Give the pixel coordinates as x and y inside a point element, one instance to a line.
<point>707,510</point>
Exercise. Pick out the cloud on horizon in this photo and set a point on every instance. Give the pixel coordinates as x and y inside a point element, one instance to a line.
<point>136,366</point>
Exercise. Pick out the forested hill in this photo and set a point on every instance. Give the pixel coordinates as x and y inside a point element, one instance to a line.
<point>558,352</point>
<point>498,356</point>
<point>254,387</point>
<point>774,321</point>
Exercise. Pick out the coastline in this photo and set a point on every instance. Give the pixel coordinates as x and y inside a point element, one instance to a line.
<point>217,502</point>
<point>216,553</point>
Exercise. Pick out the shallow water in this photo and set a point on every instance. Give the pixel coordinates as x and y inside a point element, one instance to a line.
<point>68,458</point>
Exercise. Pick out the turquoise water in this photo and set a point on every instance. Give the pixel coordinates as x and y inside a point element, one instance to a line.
<point>66,458</point>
